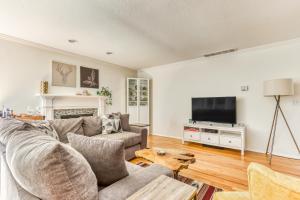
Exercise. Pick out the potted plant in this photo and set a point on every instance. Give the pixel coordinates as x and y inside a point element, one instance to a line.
<point>105,92</point>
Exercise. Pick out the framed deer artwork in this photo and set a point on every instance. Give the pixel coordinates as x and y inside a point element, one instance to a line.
<point>89,77</point>
<point>63,74</point>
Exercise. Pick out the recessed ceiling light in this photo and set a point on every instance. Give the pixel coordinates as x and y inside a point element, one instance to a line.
<point>109,53</point>
<point>72,41</point>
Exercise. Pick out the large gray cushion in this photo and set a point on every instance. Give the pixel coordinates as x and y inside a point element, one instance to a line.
<point>50,169</point>
<point>10,189</point>
<point>129,138</point>
<point>64,126</point>
<point>92,126</point>
<point>132,183</point>
<point>105,156</point>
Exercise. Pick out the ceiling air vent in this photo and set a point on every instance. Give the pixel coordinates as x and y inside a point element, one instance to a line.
<point>220,52</point>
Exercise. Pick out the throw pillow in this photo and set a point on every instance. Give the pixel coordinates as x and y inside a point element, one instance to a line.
<point>92,126</point>
<point>106,157</point>
<point>12,191</point>
<point>45,127</point>
<point>125,122</point>
<point>50,169</point>
<point>118,117</point>
<point>110,125</point>
<point>64,126</point>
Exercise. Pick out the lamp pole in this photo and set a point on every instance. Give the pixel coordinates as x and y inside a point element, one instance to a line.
<point>269,150</point>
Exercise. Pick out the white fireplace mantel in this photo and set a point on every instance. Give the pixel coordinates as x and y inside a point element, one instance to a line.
<point>50,102</point>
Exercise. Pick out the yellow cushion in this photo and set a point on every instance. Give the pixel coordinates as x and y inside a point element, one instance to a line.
<point>267,184</point>
<point>231,196</point>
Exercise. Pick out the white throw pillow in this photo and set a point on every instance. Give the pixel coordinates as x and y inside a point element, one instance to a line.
<point>110,125</point>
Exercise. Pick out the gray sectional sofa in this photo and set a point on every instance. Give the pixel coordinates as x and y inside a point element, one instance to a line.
<point>34,165</point>
<point>135,138</point>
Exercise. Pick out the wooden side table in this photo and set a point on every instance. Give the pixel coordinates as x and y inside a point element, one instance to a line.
<point>165,188</point>
<point>173,159</point>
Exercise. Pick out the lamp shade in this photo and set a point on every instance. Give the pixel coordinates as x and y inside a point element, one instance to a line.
<point>275,87</point>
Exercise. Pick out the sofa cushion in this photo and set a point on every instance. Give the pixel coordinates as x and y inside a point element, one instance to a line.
<point>45,127</point>
<point>50,169</point>
<point>129,138</point>
<point>9,188</point>
<point>64,126</point>
<point>105,156</point>
<point>132,183</point>
<point>132,168</point>
<point>110,125</point>
<point>92,126</point>
<point>125,122</point>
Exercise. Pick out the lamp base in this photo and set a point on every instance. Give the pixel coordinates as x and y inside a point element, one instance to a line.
<point>269,151</point>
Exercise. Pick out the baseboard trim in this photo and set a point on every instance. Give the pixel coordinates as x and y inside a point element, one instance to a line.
<point>256,151</point>
<point>169,136</point>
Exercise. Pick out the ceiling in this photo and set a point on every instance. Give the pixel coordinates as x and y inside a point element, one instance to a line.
<point>144,33</point>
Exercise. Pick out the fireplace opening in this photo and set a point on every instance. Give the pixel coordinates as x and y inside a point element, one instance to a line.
<point>75,116</point>
<point>75,113</point>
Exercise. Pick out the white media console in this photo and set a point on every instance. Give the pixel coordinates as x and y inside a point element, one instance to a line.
<point>216,135</point>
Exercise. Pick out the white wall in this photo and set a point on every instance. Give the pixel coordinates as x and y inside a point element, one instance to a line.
<point>175,84</point>
<point>22,67</point>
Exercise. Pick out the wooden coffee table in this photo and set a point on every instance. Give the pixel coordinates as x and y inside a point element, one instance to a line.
<point>165,188</point>
<point>173,159</point>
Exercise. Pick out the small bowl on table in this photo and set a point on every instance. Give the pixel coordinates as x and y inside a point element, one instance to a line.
<point>161,152</point>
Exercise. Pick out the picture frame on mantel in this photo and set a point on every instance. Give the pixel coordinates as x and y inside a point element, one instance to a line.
<point>63,75</point>
<point>89,77</point>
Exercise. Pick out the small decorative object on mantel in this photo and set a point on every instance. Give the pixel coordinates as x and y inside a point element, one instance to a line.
<point>105,92</point>
<point>89,78</point>
<point>86,93</point>
<point>44,87</point>
<point>78,93</point>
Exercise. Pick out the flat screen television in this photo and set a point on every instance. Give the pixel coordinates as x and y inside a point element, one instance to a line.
<point>214,109</point>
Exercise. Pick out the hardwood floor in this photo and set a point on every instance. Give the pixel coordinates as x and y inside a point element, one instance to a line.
<point>222,168</point>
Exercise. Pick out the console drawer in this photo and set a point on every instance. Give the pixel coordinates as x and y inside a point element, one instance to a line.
<point>231,141</point>
<point>191,136</point>
<point>210,138</point>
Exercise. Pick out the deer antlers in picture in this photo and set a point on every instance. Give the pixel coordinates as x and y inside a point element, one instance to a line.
<point>64,71</point>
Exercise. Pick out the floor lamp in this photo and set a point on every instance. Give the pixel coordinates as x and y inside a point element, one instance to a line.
<point>277,88</point>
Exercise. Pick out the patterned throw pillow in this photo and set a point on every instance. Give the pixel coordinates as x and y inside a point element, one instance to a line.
<point>45,127</point>
<point>110,124</point>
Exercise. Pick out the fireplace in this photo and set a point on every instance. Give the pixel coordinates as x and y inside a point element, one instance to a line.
<point>74,113</point>
<point>63,106</point>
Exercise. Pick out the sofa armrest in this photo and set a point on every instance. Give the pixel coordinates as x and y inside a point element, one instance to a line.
<point>144,134</point>
<point>264,183</point>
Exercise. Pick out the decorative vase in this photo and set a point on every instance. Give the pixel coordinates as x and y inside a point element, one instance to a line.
<point>44,87</point>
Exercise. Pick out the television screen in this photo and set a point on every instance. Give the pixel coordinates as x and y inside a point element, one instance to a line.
<point>214,109</point>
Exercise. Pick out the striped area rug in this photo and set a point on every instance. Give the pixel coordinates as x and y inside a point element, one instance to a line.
<point>204,192</point>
